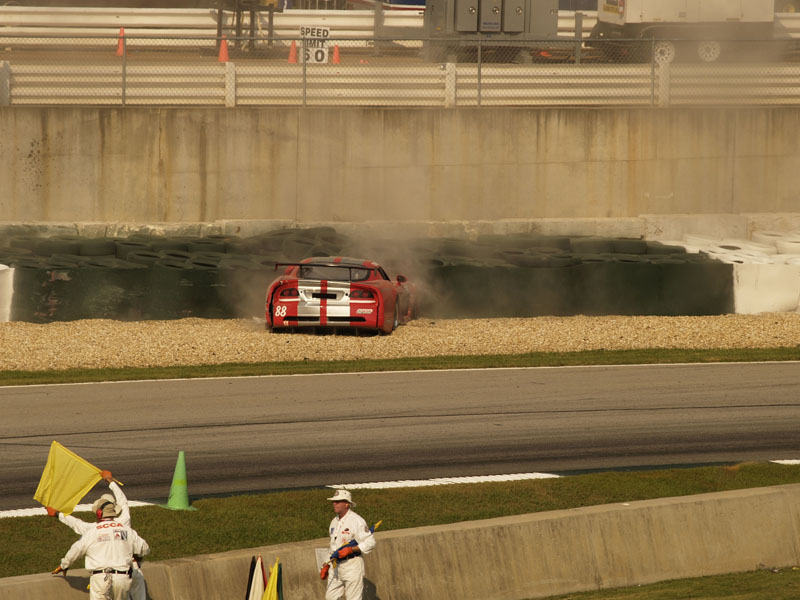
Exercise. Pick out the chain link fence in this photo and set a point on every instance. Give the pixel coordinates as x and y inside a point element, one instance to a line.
<point>319,70</point>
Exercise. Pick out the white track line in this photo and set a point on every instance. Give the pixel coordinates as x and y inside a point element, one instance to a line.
<point>382,485</point>
<point>32,512</point>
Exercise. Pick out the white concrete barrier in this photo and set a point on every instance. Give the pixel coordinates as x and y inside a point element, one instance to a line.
<point>6,291</point>
<point>760,288</point>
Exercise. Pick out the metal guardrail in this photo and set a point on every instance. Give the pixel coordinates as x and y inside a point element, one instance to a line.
<point>207,82</point>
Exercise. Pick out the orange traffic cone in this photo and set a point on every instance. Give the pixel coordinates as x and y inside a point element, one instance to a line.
<point>223,49</point>
<point>335,54</point>
<point>121,42</point>
<point>293,53</point>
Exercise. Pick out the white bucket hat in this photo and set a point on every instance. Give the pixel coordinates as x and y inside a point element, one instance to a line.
<point>343,495</point>
<point>109,506</point>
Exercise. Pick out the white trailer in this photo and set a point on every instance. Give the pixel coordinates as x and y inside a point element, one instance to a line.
<point>700,24</point>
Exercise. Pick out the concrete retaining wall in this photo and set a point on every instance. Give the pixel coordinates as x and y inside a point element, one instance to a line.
<point>512,558</point>
<point>151,165</point>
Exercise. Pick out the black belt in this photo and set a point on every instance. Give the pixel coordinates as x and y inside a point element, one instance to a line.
<point>354,555</point>
<point>114,571</point>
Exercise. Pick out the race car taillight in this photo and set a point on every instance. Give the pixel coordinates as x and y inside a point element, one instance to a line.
<point>289,293</point>
<point>361,295</point>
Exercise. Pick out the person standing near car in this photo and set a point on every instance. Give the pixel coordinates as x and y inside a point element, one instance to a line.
<point>121,514</point>
<point>350,539</point>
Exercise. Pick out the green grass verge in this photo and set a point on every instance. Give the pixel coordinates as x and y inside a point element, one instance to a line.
<point>36,544</point>
<point>763,584</point>
<point>535,359</point>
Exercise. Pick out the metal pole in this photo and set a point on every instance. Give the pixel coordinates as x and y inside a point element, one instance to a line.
<point>271,9</point>
<point>238,24</point>
<point>252,27</point>
<point>220,17</point>
<point>653,72</point>
<point>124,68</point>
<point>305,82</point>
<point>480,69</point>
<point>578,36</point>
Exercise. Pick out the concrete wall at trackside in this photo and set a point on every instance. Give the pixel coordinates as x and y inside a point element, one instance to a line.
<point>526,556</point>
<point>333,165</point>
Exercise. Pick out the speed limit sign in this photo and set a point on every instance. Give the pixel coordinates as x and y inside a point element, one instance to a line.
<point>315,55</point>
<point>315,44</point>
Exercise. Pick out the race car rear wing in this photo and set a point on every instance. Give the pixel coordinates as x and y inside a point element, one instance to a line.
<point>364,271</point>
<point>321,264</point>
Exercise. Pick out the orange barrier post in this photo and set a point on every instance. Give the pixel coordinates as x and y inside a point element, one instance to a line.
<point>223,49</point>
<point>335,54</point>
<point>121,42</point>
<point>293,53</point>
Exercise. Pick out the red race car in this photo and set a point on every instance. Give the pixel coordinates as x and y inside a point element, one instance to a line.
<point>334,292</point>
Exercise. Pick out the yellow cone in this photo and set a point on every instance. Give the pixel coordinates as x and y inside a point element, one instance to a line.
<point>179,492</point>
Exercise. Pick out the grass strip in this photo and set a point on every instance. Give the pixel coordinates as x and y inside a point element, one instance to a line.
<point>36,544</point>
<point>765,583</point>
<point>484,361</point>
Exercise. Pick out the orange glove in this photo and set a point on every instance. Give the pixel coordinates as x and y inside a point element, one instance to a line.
<point>106,475</point>
<point>323,573</point>
<point>51,512</point>
<point>347,551</point>
<point>58,570</point>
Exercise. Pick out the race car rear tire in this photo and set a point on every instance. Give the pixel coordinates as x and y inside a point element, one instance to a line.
<point>383,330</point>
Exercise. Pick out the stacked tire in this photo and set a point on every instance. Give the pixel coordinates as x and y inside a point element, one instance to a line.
<point>145,276</point>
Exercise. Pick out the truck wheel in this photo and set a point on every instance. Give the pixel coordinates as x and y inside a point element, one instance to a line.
<point>664,52</point>
<point>709,51</point>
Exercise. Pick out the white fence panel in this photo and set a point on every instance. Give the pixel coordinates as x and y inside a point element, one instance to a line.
<point>562,85</point>
<point>753,84</point>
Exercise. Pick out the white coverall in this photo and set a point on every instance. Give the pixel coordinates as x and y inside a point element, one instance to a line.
<point>107,545</point>
<point>347,578</point>
<point>138,589</point>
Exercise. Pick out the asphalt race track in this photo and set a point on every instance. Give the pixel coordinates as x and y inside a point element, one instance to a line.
<point>255,434</point>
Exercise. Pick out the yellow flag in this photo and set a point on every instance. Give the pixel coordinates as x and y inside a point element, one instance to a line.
<point>66,479</point>
<point>274,589</point>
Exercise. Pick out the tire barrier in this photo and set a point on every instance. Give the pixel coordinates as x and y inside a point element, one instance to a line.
<point>97,247</point>
<point>26,242</point>
<point>521,275</point>
<point>143,257</point>
<point>206,245</point>
<point>170,290</point>
<point>108,288</point>
<point>41,291</point>
<point>165,244</point>
<point>125,247</point>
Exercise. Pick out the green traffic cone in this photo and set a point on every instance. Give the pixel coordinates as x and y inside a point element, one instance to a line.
<point>178,492</point>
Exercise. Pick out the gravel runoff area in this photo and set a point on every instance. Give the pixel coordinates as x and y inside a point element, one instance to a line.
<point>106,343</point>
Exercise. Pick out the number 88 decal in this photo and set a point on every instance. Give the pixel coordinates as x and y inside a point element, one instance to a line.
<point>280,311</point>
